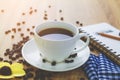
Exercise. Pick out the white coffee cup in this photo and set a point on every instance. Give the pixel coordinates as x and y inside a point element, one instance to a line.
<point>59,50</point>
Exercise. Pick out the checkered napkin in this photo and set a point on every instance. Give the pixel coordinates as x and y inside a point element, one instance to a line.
<point>101,68</point>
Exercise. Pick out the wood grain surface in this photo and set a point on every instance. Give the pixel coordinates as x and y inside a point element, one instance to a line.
<point>24,15</point>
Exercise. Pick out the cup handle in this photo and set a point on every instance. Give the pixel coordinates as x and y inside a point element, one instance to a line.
<point>86,43</point>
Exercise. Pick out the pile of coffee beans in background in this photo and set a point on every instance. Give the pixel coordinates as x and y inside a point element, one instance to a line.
<point>14,54</point>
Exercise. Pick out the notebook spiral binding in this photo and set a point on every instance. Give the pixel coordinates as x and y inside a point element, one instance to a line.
<point>99,46</point>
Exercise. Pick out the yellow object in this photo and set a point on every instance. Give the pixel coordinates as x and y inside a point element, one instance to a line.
<point>16,68</point>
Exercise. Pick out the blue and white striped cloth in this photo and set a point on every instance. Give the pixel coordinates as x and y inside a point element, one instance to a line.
<point>101,68</point>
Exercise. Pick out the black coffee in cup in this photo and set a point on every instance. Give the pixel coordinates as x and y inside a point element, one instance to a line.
<point>56,34</point>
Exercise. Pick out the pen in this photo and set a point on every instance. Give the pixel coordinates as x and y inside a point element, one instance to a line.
<point>109,36</point>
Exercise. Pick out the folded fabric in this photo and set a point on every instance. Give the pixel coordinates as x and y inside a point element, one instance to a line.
<point>101,68</point>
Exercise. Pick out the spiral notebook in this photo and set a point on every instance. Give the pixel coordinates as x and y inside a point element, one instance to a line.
<point>110,47</point>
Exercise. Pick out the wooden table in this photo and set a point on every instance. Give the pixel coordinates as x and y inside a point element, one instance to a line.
<point>19,17</point>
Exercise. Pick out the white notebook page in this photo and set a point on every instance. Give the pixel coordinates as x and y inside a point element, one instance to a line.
<point>106,28</point>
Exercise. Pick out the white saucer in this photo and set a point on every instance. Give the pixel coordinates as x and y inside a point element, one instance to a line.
<point>31,54</point>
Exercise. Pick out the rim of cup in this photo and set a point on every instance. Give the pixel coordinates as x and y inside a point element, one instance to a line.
<point>57,23</point>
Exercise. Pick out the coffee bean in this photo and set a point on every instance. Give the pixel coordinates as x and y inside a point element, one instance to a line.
<point>77,22</point>
<point>81,24</point>
<point>6,32</point>
<point>82,79</point>
<point>30,8</point>
<point>73,55</point>
<point>20,61</point>
<point>45,11</point>
<point>23,13</point>
<point>23,22</point>
<point>69,61</point>
<point>6,54</point>
<point>31,12</point>
<point>45,18</point>
<point>19,29</point>
<point>1,59</point>
<point>53,63</point>
<point>18,23</point>
<point>22,34</point>
<point>45,15</point>
<point>49,6</point>
<point>31,33</point>
<point>29,75</point>
<point>33,27</point>
<point>2,11</point>
<point>12,36</point>
<point>28,29</point>
<point>61,18</point>
<point>7,50</point>
<point>60,10</point>
<point>17,56</point>
<point>6,61</point>
<point>13,58</point>
<point>35,10</point>
<point>28,70</point>
<point>14,30</point>
<point>44,60</point>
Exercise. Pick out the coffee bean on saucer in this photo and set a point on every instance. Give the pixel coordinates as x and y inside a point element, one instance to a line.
<point>53,63</point>
<point>73,55</point>
<point>69,61</point>
<point>44,60</point>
